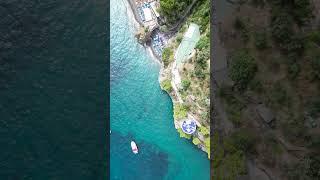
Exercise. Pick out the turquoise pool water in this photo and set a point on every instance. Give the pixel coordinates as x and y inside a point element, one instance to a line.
<point>140,110</point>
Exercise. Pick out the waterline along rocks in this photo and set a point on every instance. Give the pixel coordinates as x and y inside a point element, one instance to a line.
<point>141,111</point>
<point>185,62</point>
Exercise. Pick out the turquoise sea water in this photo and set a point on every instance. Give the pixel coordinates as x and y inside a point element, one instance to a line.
<point>140,110</point>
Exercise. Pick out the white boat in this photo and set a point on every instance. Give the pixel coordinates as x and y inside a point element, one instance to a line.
<point>134,147</point>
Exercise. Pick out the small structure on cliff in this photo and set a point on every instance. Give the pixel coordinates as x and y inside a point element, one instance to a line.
<point>147,12</point>
<point>188,43</point>
<point>189,126</point>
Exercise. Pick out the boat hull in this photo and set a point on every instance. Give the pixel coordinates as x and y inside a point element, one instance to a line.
<point>134,147</point>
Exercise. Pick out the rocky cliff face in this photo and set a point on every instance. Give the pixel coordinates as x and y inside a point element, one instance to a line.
<point>168,82</point>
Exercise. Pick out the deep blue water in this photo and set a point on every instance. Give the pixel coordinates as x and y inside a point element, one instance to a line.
<point>140,110</point>
<point>53,90</point>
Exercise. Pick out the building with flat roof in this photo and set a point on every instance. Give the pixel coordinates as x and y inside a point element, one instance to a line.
<point>147,14</point>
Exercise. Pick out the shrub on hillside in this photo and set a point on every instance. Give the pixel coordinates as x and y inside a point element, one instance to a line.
<point>183,135</point>
<point>243,69</point>
<point>293,71</point>
<point>301,11</point>
<point>201,63</point>
<point>315,64</point>
<point>179,38</point>
<point>185,84</point>
<point>166,85</point>
<point>204,42</point>
<point>234,165</point>
<point>314,37</point>
<point>313,170</point>
<point>195,141</point>
<point>172,9</point>
<point>202,57</point>
<point>180,111</point>
<point>279,95</point>
<point>243,140</point>
<point>294,45</point>
<point>199,73</point>
<point>281,26</point>
<point>258,3</point>
<point>204,131</point>
<point>201,15</point>
<point>167,56</point>
<point>260,40</point>
<point>242,27</point>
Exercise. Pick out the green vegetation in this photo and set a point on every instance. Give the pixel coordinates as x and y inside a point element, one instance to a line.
<point>207,145</point>
<point>164,28</point>
<point>166,85</point>
<point>201,63</point>
<point>204,131</point>
<point>261,41</point>
<point>228,161</point>
<point>281,26</point>
<point>199,73</point>
<point>183,135</point>
<point>243,69</point>
<point>179,38</point>
<point>235,165</point>
<point>172,9</point>
<point>194,73</point>
<point>146,29</point>
<point>242,27</point>
<point>314,37</point>
<point>167,56</point>
<point>201,15</point>
<point>218,150</point>
<point>314,109</point>
<point>204,42</point>
<point>307,168</point>
<point>185,84</point>
<point>258,3</point>
<point>242,140</point>
<point>313,170</point>
<point>279,95</point>
<point>196,141</point>
<point>180,111</point>
<point>299,10</point>
<point>283,32</point>
<point>256,85</point>
<point>196,70</point>
<point>280,69</point>
<point>315,64</point>
<point>293,70</point>
<point>202,58</point>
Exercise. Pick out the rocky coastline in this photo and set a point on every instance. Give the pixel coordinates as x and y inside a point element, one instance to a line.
<point>165,74</point>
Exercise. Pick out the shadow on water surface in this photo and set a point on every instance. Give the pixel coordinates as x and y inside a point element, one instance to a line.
<point>149,163</point>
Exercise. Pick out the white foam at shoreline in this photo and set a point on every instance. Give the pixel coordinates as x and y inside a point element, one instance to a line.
<point>152,55</point>
<point>130,15</point>
<point>136,25</point>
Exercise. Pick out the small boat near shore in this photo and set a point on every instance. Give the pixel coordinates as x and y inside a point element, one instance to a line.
<point>134,147</point>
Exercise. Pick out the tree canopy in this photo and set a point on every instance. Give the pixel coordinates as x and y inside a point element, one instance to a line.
<point>243,68</point>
